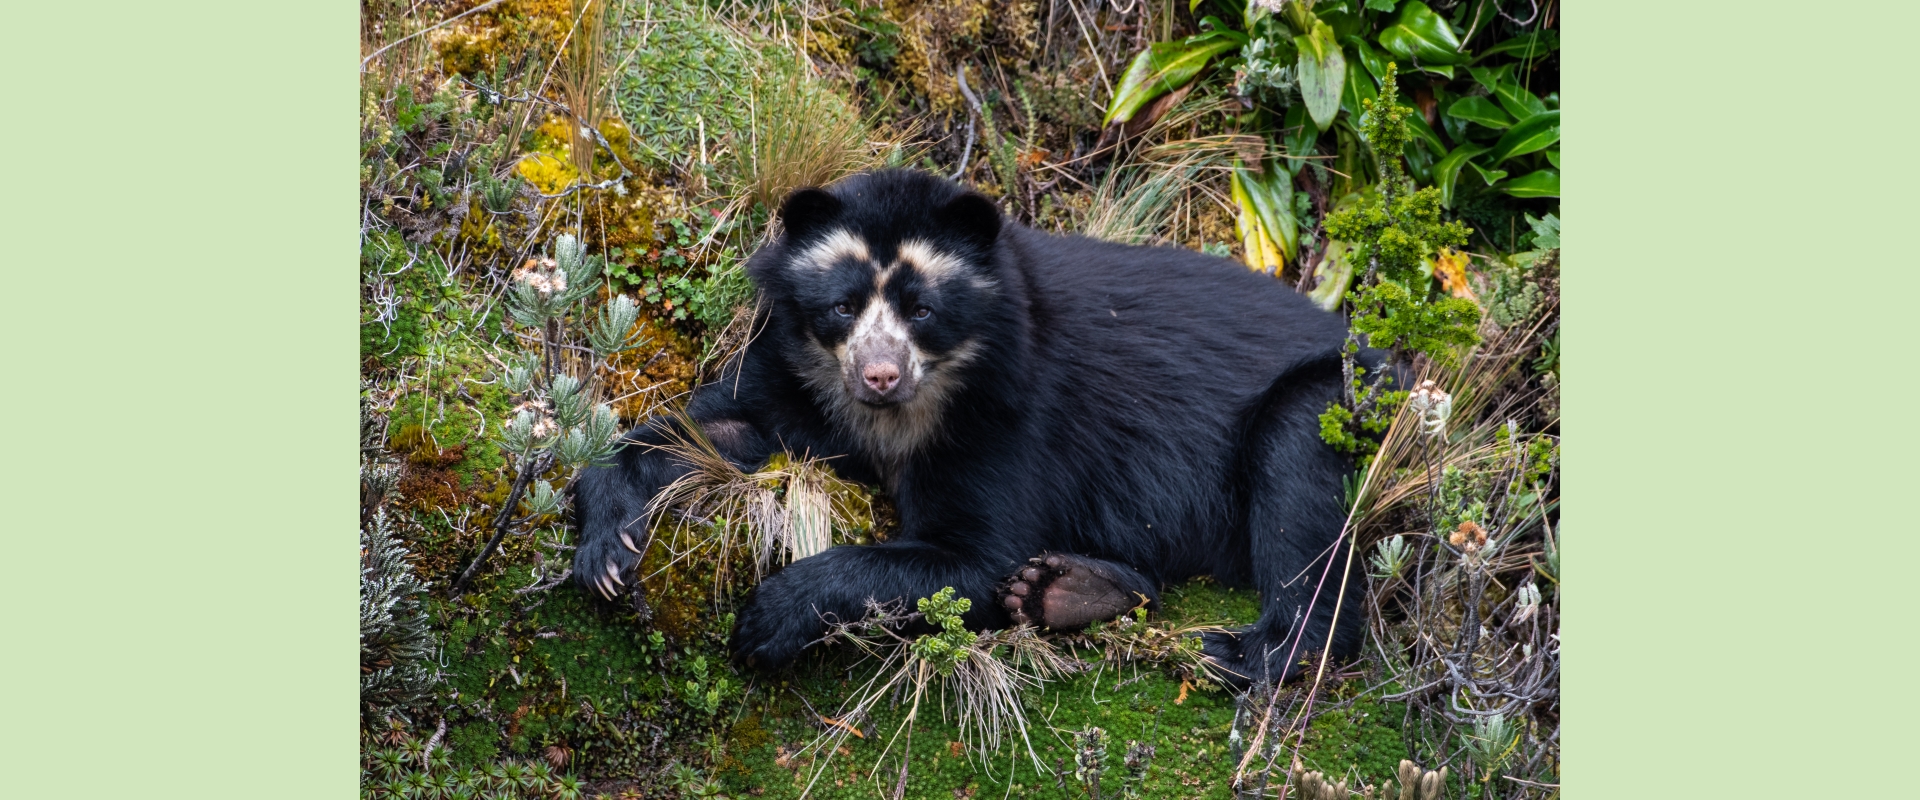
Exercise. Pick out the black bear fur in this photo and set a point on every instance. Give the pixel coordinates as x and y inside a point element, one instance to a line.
<point>1152,408</point>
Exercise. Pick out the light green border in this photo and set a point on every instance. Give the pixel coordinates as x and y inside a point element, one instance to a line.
<point>180,352</point>
<point>1739,289</point>
<point>180,561</point>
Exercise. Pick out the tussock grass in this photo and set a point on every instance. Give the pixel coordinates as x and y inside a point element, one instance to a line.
<point>979,687</point>
<point>1149,196</point>
<point>786,510</point>
<point>802,134</point>
<point>1409,464</point>
<point>584,79</point>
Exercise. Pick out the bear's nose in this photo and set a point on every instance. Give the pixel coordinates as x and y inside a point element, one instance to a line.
<point>881,376</point>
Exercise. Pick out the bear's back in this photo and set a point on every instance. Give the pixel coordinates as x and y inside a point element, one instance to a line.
<point>1145,363</point>
<point>1153,321</point>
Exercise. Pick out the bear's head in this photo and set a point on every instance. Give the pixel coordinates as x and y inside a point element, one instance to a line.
<point>888,281</point>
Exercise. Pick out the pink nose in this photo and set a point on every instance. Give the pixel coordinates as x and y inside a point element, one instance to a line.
<point>881,376</point>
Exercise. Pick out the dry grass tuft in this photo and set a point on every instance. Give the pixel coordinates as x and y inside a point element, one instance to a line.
<point>1151,196</point>
<point>980,688</point>
<point>786,510</point>
<point>803,134</point>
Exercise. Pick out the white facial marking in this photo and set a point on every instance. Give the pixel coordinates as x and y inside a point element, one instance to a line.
<point>832,249</point>
<point>937,267</point>
<point>879,326</point>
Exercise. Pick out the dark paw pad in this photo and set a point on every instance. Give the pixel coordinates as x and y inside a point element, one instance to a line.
<point>1062,592</point>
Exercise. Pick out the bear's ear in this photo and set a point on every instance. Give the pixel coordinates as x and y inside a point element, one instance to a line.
<point>974,218</point>
<point>807,210</point>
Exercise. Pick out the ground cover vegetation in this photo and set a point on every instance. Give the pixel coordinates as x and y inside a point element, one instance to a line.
<point>556,198</point>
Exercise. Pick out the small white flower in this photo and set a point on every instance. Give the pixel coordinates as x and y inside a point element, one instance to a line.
<point>1433,404</point>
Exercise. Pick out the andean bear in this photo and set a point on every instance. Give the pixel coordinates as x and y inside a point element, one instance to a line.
<point>1063,424</point>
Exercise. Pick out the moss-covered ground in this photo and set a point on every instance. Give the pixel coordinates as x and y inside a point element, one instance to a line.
<point>1189,729</point>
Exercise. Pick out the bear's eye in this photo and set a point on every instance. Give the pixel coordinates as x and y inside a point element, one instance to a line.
<point>922,312</point>
<point>843,310</point>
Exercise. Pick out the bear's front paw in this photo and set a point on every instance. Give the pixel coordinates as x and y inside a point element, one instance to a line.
<point>773,628</point>
<point>605,564</point>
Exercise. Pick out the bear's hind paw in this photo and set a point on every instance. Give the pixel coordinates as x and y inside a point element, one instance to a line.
<point>1062,592</point>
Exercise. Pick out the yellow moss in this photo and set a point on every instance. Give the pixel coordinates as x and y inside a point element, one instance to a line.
<point>467,53</point>
<point>620,138</point>
<point>930,30</point>
<point>748,732</point>
<point>824,44</point>
<point>672,374</point>
<point>547,173</point>
<point>477,228</point>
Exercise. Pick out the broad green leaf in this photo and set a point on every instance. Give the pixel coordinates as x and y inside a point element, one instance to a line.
<point>1359,88</point>
<point>1272,195</point>
<point>1162,68</point>
<point>1380,5</point>
<point>1417,125</point>
<point>1553,157</point>
<point>1263,253</point>
<point>1375,61</point>
<point>1481,110</point>
<point>1301,133</point>
<point>1454,127</point>
<point>1420,162</point>
<point>1322,71</point>
<point>1529,135</point>
<point>1512,96</point>
<point>1539,183</point>
<point>1526,46</point>
<point>1491,176</point>
<point>1448,170</point>
<point>1335,272</point>
<point>1418,34</point>
<point>1352,164</point>
<point>1343,20</point>
<point>1194,6</point>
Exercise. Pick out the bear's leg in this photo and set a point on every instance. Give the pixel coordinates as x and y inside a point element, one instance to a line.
<point>1064,592</point>
<point>610,502</point>
<point>792,608</point>
<point>1295,511</point>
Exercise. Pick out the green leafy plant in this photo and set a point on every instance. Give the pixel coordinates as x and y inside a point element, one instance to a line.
<point>945,650</point>
<point>705,692</point>
<point>1164,67</point>
<point>1524,125</point>
<point>1390,557</point>
<point>1395,231</point>
<point>1487,119</point>
<point>707,290</point>
<point>1089,759</point>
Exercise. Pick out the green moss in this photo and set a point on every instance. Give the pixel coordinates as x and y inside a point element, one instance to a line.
<point>1189,729</point>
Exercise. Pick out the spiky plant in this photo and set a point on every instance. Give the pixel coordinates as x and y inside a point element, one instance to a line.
<point>396,648</point>
<point>557,423</point>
